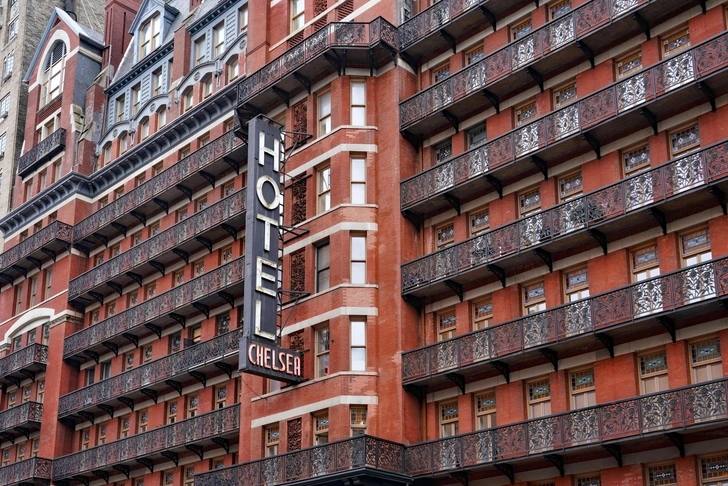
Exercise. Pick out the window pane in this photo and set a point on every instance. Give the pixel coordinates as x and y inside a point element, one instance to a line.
<point>358,193</point>
<point>358,116</point>
<point>358,248</point>
<point>358,272</point>
<point>325,105</point>
<point>358,359</point>
<point>323,257</point>
<point>358,170</point>
<point>358,93</point>
<point>358,333</point>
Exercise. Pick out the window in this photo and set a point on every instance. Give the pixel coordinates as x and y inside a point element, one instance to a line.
<point>222,324</point>
<point>653,372</point>
<point>13,29</point>
<point>123,143</point>
<point>582,389</point>
<point>181,214</point>
<point>43,175</point>
<point>5,106</point>
<point>440,72</point>
<point>322,352</point>
<point>124,426</point>
<point>175,342</point>
<point>207,87</point>
<point>142,421</point>
<point>232,68</point>
<point>106,155</point>
<point>713,470</point>
<point>636,159</point>
<point>534,298</point>
<point>449,419</point>
<point>243,17</point>
<point>33,290</point>
<point>529,202</point>
<point>157,86</point>
<point>705,360</point>
<point>193,403</point>
<point>119,104</point>
<point>3,138</point>
<point>358,420</point>
<point>195,334</point>
<point>695,247</point>
<point>162,117</point>
<point>201,204</point>
<point>228,189</point>
<point>147,354</point>
<point>172,412</point>
<point>187,100</point>
<point>359,345</point>
<point>324,189</point>
<point>570,186</point>
<point>476,135</point>
<point>85,438</point>
<point>150,291</point>
<point>150,35</point>
<point>358,260</point>
<point>17,343</point>
<point>189,476</point>
<point>474,55</point>
<point>565,94</point>
<point>218,37</point>
<point>591,480</point>
<point>199,267</point>
<point>485,410</point>
<point>28,190</point>
<point>324,112</point>
<point>226,254</point>
<point>18,299</point>
<point>272,439</point>
<point>297,15</point>
<point>135,99</point>
<point>539,398</point>
<point>479,221</point>
<point>220,396</point>
<point>525,112</point>
<point>684,140</point>
<point>358,103</point>
<point>521,29</point>
<point>675,42</point>
<point>446,324</point>
<point>559,8</point>
<point>40,392</point>
<point>199,51</point>
<point>6,456</point>
<point>321,428</point>
<point>8,66</point>
<point>482,314</point>
<point>129,361</point>
<point>358,180</point>
<point>629,64</point>
<point>105,370</point>
<point>323,263</point>
<point>136,239</point>
<point>144,128</point>
<point>25,393</point>
<point>443,152</point>
<point>645,263</point>
<point>576,284</point>
<point>445,234</point>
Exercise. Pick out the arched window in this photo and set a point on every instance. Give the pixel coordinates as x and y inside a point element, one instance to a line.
<point>232,68</point>
<point>53,72</point>
<point>143,128</point>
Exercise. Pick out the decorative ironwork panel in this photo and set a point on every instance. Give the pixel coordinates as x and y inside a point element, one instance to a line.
<point>56,231</point>
<point>674,72</point>
<point>44,150</point>
<point>294,434</point>
<point>23,358</point>
<point>27,472</point>
<point>21,415</point>
<point>298,270</point>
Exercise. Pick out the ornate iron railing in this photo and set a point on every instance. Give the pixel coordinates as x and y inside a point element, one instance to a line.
<point>45,149</point>
<point>162,305</point>
<point>56,230</point>
<point>151,373</point>
<point>29,470</point>
<point>168,178</point>
<point>21,414</point>
<point>519,53</point>
<point>335,457</point>
<point>165,241</point>
<point>608,103</point>
<point>335,34</point>
<point>658,184</point>
<point>646,414</point>
<point>23,358</point>
<point>179,434</point>
<point>648,297</point>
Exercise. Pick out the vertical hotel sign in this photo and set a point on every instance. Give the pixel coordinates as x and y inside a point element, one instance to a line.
<point>259,350</point>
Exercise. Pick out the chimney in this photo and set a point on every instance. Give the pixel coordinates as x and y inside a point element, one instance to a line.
<point>70,8</point>
<point>119,17</point>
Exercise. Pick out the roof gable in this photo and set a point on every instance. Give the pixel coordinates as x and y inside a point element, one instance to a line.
<point>146,8</point>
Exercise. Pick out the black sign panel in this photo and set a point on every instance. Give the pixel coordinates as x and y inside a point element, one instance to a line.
<point>259,352</point>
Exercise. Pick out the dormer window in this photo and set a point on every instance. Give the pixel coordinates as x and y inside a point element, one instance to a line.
<point>199,50</point>
<point>53,72</point>
<point>150,35</point>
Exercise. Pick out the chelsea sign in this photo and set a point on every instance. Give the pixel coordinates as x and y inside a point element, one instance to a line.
<point>259,350</point>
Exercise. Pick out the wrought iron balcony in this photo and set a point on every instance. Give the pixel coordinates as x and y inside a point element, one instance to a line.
<point>151,379</point>
<point>586,31</point>
<point>659,416</point>
<point>200,168</point>
<point>47,242</point>
<point>370,44</point>
<point>31,471</point>
<point>20,420</point>
<point>670,191</point>
<point>439,25</point>
<point>43,152</point>
<point>151,316</point>
<point>158,252</point>
<point>624,107</point>
<point>217,427</point>
<point>345,459</point>
<point>649,307</point>
<point>24,362</point>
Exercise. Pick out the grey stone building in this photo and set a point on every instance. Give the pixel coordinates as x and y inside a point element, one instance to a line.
<point>22,23</point>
